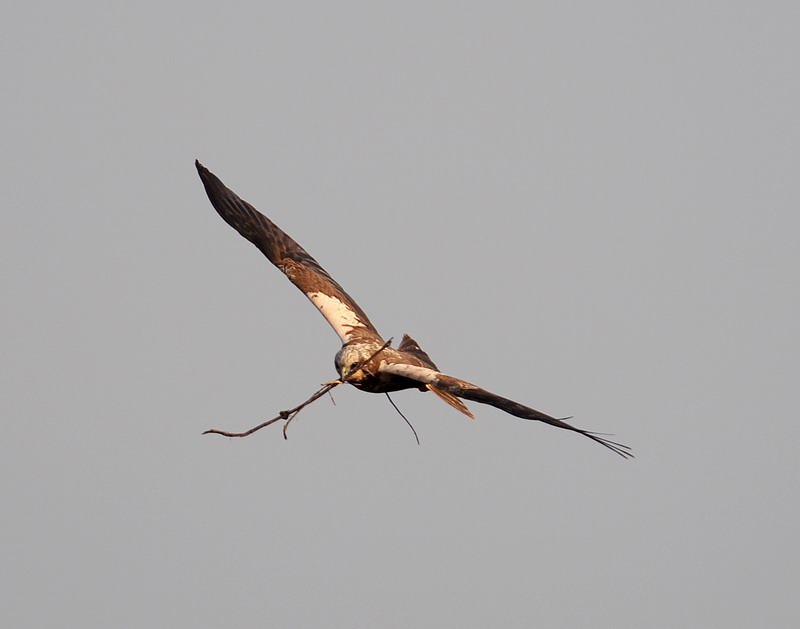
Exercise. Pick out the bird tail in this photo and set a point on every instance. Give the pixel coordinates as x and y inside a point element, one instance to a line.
<point>451,399</point>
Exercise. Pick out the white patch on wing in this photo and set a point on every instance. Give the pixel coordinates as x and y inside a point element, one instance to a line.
<point>339,315</point>
<point>420,374</point>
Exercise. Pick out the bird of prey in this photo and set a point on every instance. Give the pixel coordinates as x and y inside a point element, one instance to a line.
<point>365,360</point>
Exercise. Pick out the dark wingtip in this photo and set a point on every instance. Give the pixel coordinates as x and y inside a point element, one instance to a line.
<point>209,179</point>
<point>621,449</point>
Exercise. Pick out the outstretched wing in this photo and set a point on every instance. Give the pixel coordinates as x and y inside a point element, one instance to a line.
<point>338,308</point>
<point>469,391</point>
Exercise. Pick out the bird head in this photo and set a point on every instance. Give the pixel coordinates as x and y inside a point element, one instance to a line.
<point>347,358</point>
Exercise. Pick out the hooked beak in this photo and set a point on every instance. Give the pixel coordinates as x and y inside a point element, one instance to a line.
<point>355,376</point>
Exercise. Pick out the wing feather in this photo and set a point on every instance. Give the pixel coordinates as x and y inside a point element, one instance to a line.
<point>339,309</point>
<point>468,391</point>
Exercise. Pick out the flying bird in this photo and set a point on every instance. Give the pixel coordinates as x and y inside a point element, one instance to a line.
<point>365,360</point>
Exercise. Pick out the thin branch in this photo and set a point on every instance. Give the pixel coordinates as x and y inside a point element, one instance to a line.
<point>333,400</point>
<point>289,415</point>
<point>404,417</point>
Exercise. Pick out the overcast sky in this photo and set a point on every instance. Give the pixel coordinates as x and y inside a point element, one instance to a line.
<point>591,208</point>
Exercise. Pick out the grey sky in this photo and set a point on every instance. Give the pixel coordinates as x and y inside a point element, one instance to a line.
<point>591,208</point>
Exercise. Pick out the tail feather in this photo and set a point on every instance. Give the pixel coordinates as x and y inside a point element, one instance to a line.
<point>451,399</point>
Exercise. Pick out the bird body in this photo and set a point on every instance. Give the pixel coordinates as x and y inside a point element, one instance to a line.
<point>365,360</point>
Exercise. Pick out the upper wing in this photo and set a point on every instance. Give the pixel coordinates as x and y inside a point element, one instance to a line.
<point>469,391</point>
<point>338,308</point>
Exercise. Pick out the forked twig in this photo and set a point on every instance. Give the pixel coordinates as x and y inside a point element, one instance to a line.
<point>289,415</point>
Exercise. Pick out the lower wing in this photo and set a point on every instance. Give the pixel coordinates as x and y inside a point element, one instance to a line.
<point>469,391</point>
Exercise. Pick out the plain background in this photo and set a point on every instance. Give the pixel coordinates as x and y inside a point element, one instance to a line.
<point>591,208</point>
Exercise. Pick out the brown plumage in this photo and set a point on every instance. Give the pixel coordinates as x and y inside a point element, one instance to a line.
<point>363,361</point>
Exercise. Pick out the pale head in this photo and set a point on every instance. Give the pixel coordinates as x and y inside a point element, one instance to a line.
<point>351,355</point>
